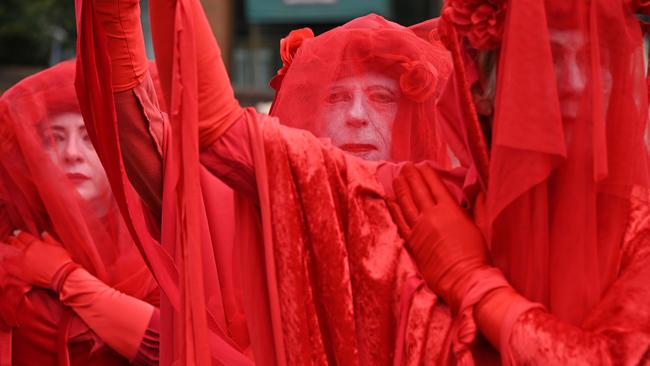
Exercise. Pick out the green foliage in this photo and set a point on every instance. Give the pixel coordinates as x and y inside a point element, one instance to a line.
<point>27,28</point>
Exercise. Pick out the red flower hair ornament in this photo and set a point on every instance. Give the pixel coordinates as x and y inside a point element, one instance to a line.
<point>289,45</point>
<point>480,21</point>
<point>419,80</point>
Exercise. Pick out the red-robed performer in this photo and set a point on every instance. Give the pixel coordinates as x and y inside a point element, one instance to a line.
<point>325,275</point>
<point>566,211</point>
<point>79,293</point>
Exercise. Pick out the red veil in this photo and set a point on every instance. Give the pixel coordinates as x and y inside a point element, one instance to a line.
<point>567,147</point>
<point>200,317</point>
<point>35,196</point>
<point>366,45</point>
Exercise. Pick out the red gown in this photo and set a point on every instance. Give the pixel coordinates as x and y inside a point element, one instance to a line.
<point>567,177</point>
<point>37,325</point>
<point>389,298</point>
<point>366,306</point>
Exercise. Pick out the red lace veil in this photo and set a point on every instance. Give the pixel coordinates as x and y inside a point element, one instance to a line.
<point>36,196</point>
<point>568,139</point>
<point>307,83</point>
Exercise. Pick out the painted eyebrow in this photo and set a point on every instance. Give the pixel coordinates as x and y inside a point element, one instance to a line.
<point>382,87</point>
<point>57,128</point>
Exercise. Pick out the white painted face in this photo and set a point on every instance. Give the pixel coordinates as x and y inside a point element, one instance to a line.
<point>571,76</point>
<point>359,114</point>
<point>70,149</point>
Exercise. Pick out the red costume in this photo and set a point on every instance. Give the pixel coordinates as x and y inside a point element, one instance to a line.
<point>86,296</point>
<point>566,204</point>
<point>324,274</point>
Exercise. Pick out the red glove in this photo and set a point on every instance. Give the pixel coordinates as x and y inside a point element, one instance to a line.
<point>43,263</point>
<point>452,255</point>
<point>118,319</point>
<point>444,241</point>
<point>120,20</point>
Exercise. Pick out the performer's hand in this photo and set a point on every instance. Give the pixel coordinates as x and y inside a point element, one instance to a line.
<point>444,241</point>
<point>36,261</point>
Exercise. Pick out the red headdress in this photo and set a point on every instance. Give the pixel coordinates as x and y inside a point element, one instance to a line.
<point>567,145</point>
<point>370,44</point>
<point>36,196</point>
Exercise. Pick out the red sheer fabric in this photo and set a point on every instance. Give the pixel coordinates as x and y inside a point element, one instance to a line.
<point>585,155</point>
<point>412,324</point>
<point>567,147</point>
<point>198,320</point>
<point>38,193</point>
<point>368,86</point>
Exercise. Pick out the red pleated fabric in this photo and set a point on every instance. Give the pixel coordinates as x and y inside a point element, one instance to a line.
<point>193,325</point>
<point>36,195</point>
<point>567,142</point>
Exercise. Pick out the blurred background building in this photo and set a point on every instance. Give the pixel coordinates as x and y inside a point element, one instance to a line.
<point>37,33</point>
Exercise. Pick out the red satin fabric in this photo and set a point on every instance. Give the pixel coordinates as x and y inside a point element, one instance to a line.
<point>36,196</point>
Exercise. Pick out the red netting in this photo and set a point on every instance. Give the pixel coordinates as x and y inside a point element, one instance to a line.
<point>370,86</point>
<point>51,180</point>
<point>567,145</point>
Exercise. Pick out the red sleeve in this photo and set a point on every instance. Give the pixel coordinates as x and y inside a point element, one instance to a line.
<point>616,332</point>
<point>149,351</point>
<point>230,159</point>
<point>218,108</point>
<point>141,148</point>
<point>141,125</point>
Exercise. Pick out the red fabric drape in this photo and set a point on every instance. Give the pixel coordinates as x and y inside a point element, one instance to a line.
<point>360,50</point>
<point>37,196</point>
<point>567,147</point>
<point>191,332</point>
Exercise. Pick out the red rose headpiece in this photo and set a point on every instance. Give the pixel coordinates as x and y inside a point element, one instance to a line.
<point>406,74</point>
<point>288,48</point>
<point>480,21</point>
<point>419,80</point>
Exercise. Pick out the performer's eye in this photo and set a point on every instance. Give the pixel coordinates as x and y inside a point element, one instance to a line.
<point>338,96</point>
<point>86,139</point>
<point>381,96</point>
<point>58,137</point>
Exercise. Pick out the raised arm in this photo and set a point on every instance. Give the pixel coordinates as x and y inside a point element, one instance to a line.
<point>138,113</point>
<point>218,108</point>
<point>141,124</point>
